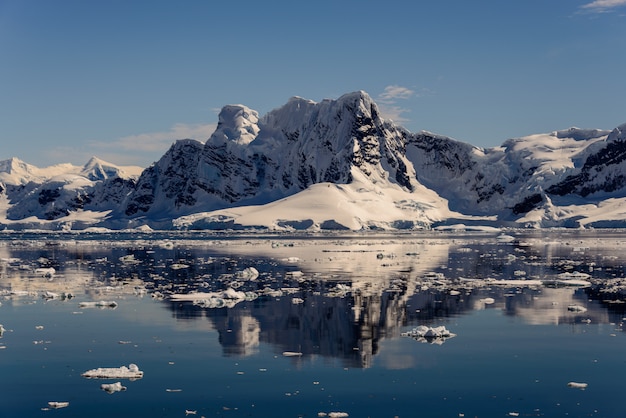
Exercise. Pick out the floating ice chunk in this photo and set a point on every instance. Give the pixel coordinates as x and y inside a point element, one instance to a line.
<point>488,301</point>
<point>576,308</point>
<point>249,273</point>
<point>129,259</point>
<point>503,238</point>
<point>179,266</point>
<point>57,405</point>
<point>45,271</point>
<point>292,353</point>
<point>131,372</point>
<point>429,334</point>
<point>577,385</point>
<point>99,304</point>
<point>224,299</point>
<point>112,387</point>
<point>2,330</point>
<point>297,301</point>
<point>49,295</point>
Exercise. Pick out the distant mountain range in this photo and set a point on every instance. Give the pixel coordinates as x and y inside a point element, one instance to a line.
<point>329,166</point>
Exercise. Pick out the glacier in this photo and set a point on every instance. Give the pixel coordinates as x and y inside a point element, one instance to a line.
<point>330,165</point>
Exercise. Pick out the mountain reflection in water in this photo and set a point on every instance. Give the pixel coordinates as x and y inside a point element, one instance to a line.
<point>333,297</point>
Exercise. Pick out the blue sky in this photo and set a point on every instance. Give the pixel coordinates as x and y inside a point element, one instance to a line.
<point>123,79</point>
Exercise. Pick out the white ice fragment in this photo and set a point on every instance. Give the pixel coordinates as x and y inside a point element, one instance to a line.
<point>488,301</point>
<point>112,387</point>
<point>2,330</point>
<point>45,271</point>
<point>98,304</point>
<point>297,301</point>
<point>249,273</point>
<point>503,238</point>
<point>429,334</point>
<point>576,308</point>
<point>338,414</point>
<point>122,372</point>
<point>57,405</point>
<point>179,266</point>
<point>577,385</point>
<point>292,353</point>
<point>129,259</point>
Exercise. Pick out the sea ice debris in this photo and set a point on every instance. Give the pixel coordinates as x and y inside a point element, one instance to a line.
<point>122,372</point>
<point>57,405</point>
<point>577,385</point>
<point>99,304</point>
<point>112,387</point>
<point>429,334</point>
<point>249,273</point>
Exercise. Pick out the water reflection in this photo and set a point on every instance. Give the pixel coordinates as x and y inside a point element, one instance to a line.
<point>330,297</point>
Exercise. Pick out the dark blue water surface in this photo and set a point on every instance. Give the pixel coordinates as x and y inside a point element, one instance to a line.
<point>321,330</point>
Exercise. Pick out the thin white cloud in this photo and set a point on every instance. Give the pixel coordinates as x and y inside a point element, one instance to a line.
<point>394,113</point>
<point>393,93</point>
<point>139,149</point>
<point>387,103</point>
<point>603,6</point>
<point>155,141</point>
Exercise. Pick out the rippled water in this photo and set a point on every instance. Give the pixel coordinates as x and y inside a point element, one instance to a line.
<point>321,329</point>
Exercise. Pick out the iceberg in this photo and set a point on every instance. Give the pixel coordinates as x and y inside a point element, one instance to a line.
<point>99,304</point>
<point>223,299</point>
<point>131,372</point>
<point>429,334</point>
<point>577,385</point>
<point>112,387</point>
<point>57,405</point>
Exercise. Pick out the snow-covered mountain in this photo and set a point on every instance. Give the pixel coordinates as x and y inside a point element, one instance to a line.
<point>332,165</point>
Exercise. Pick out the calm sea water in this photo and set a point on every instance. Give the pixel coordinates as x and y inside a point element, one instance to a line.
<point>320,330</point>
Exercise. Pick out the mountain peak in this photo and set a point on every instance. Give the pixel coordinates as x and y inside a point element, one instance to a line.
<point>237,123</point>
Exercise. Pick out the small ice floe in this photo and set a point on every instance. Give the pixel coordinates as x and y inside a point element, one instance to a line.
<point>488,301</point>
<point>503,238</point>
<point>190,412</point>
<point>297,301</point>
<point>333,414</point>
<point>577,385</point>
<point>112,387</point>
<point>131,372</point>
<point>249,273</point>
<point>2,330</point>
<point>99,304</point>
<point>179,266</point>
<point>576,308</point>
<point>224,299</point>
<point>129,259</point>
<point>45,272</point>
<point>292,353</point>
<point>429,334</point>
<point>57,404</point>
<point>49,295</point>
